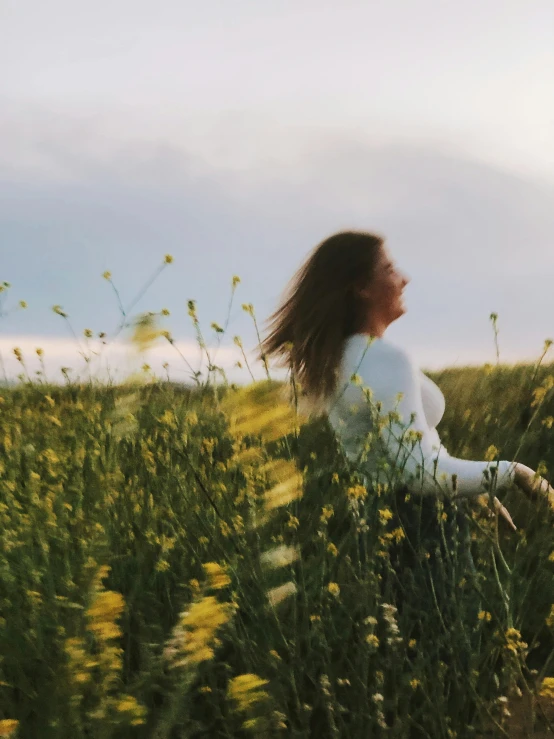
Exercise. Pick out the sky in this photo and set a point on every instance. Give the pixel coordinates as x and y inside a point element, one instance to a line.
<point>236,136</point>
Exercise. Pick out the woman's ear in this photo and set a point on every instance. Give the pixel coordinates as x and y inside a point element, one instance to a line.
<point>362,290</point>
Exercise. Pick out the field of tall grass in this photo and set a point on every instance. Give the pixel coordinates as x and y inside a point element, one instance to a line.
<point>200,561</point>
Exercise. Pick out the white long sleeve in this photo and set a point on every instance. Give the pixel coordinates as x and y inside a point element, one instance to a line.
<point>388,370</point>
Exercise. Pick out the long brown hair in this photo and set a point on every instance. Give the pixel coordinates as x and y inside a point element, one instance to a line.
<point>321,309</point>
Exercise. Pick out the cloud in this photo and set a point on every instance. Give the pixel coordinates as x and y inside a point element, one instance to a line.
<point>474,239</point>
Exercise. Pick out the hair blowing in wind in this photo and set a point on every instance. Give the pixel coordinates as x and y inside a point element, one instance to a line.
<point>320,310</point>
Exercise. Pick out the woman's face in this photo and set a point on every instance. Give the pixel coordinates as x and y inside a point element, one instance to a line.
<point>384,293</point>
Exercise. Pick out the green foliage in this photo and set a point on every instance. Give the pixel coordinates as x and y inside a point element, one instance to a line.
<point>180,562</point>
<point>150,482</point>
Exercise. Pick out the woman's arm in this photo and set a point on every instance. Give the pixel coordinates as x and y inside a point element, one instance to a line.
<point>397,374</point>
<point>533,485</point>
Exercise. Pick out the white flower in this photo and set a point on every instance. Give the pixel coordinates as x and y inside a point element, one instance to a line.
<point>279,557</point>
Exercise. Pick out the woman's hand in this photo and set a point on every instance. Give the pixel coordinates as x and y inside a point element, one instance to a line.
<point>502,511</point>
<point>533,485</point>
<point>499,508</point>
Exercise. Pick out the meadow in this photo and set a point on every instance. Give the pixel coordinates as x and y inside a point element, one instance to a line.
<point>200,561</point>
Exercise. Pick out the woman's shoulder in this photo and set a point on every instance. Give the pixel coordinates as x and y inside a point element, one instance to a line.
<point>376,350</point>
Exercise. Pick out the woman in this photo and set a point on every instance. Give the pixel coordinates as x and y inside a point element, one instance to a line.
<point>330,327</point>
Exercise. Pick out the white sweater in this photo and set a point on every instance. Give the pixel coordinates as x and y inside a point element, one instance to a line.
<point>387,370</point>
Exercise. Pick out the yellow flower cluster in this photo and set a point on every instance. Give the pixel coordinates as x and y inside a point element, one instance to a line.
<point>292,522</point>
<point>334,589</point>
<point>128,705</point>
<point>357,492</point>
<point>547,688</point>
<point>217,577</point>
<point>284,492</point>
<point>245,691</point>
<point>491,454</point>
<point>97,672</point>
<point>246,694</point>
<point>8,727</point>
<point>193,637</point>
<point>385,514</point>
<point>541,392</point>
<point>326,513</point>
<point>514,642</point>
<point>103,612</point>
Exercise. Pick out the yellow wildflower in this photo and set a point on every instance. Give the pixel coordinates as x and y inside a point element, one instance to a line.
<point>103,612</point>
<point>201,623</point>
<point>326,513</point>
<point>385,514</point>
<point>398,534</point>
<point>128,704</point>
<point>245,691</point>
<point>491,454</point>
<point>218,578</point>
<point>514,642</point>
<point>357,492</point>
<point>8,727</point>
<point>284,492</point>
<point>225,529</point>
<point>547,687</point>
<point>334,589</point>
